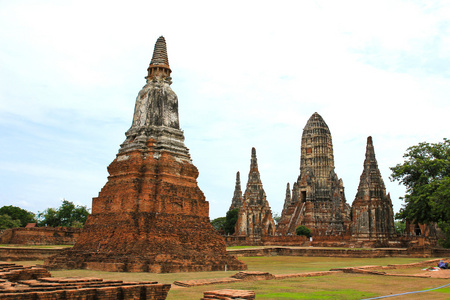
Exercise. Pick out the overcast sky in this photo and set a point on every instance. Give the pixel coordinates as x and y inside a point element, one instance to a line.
<point>247,74</point>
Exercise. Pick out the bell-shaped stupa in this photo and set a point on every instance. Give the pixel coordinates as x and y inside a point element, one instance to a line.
<point>150,216</point>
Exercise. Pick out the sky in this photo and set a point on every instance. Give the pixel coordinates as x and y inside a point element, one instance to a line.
<point>247,74</point>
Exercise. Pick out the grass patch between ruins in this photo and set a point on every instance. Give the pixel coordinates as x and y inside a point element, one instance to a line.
<point>338,286</point>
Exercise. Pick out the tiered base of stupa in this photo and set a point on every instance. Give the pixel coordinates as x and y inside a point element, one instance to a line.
<point>147,242</point>
<point>149,217</point>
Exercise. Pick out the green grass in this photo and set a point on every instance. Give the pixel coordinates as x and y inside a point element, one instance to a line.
<point>340,286</point>
<point>341,294</point>
<point>445,290</point>
<point>302,264</point>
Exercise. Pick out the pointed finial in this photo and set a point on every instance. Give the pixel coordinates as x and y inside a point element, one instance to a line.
<point>159,65</point>
<point>253,160</point>
<point>369,140</point>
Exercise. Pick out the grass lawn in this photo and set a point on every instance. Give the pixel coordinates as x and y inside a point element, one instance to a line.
<point>339,286</point>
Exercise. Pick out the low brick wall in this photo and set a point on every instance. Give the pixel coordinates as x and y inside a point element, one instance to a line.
<point>21,254</point>
<point>322,252</point>
<point>40,236</point>
<point>294,240</point>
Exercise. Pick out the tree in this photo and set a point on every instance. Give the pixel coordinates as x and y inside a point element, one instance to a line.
<point>303,230</point>
<point>400,227</point>
<point>7,222</point>
<point>219,223</point>
<point>426,176</point>
<point>276,218</point>
<point>17,213</point>
<point>67,215</point>
<point>230,220</point>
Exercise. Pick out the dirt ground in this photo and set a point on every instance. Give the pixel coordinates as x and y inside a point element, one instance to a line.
<point>444,274</point>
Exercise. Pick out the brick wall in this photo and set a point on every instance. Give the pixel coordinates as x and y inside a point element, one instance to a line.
<point>40,236</point>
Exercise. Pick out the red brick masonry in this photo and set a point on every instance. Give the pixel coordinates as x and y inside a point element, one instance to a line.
<point>228,294</point>
<point>149,217</point>
<point>31,283</point>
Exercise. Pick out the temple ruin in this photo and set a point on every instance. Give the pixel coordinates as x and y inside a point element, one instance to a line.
<point>318,199</point>
<point>255,215</point>
<point>372,214</point>
<point>150,216</point>
<point>237,200</point>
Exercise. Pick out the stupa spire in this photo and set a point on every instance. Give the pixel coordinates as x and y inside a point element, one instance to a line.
<point>159,65</point>
<point>236,202</point>
<point>373,216</point>
<point>288,198</point>
<point>155,116</point>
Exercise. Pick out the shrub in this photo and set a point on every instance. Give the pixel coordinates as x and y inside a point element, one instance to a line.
<point>303,230</point>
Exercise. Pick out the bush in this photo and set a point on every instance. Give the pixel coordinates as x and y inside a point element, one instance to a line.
<point>303,230</point>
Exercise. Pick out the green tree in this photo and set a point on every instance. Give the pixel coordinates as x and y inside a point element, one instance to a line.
<point>400,227</point>
<point>230,220</point>
<point>426,175</point>
<point>67,215</point>
<point>276,218</point>
<point>219,223</point>
<point>303,230</point>
<point>7,222</point>
<point>17,213</point>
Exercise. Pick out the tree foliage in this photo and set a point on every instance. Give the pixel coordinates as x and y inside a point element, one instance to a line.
<point>219,224</point>
<point>7,222</point>
<point>230,220</point>
<point>400,227</point>
<point>426,175</point>
<point>67,215</point>
<point>276,218</point>
<point>16,213</point>
<point>303,230</point>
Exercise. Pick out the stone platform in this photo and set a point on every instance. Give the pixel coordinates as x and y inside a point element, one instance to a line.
<point>147,242</point>
<point>228,294</point>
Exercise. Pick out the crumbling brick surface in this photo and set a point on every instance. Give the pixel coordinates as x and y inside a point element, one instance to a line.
<point>253,275</point>
<point>318,200</point>
<point>12,272</point>
<point>373,217</point>
<point>228,294</point>
<point>198,282</point>
<point>82,288</point>
<point>20,254</point>
<point>255,216</point>
<point>40,236</point>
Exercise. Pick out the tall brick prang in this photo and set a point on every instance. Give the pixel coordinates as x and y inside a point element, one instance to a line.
<point>150,216</point>
<point>318,199</point>
<point>255,215</point>
<point>288,198</point>
<point>237,201</point>
<point>373,217</point>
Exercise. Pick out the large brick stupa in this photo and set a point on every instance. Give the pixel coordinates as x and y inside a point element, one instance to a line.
<point>151,216</point>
